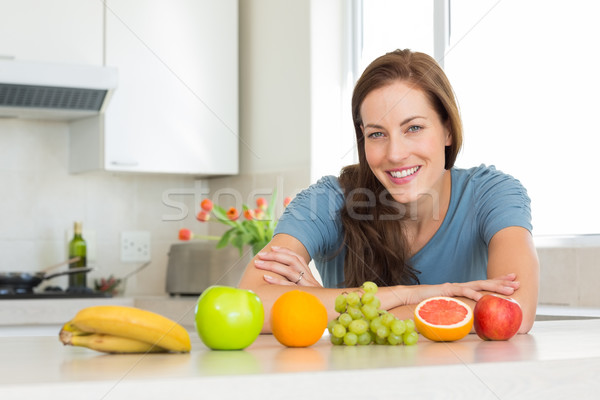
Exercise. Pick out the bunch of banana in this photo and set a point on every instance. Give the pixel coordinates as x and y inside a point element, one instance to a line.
<point>121,329</point>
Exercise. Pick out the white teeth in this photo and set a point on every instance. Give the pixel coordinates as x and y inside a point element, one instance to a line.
<point>404,173</point>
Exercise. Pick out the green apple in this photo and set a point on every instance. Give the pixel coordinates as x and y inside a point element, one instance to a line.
<point>228,318</point>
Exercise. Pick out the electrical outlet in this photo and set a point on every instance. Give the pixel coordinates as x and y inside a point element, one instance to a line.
<point>135,246</point>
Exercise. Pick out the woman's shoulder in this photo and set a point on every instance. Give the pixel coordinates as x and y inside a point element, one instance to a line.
<point>329,181</point>
<point>326,190</point>
<point>326,185</point>
<point>482,175</point>
<point>486,185</point>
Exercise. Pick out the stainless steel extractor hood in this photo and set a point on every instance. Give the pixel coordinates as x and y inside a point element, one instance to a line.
<point>36,90</point>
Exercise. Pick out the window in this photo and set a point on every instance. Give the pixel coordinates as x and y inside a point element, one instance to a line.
<point>525,75</point>
<point>395,24</point>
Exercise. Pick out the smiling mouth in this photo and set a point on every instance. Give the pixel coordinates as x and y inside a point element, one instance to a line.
<point>404,173</point>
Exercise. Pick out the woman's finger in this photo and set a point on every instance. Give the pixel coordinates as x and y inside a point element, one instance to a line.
<point>507,277</point>
<point>285,250</point>
<point>275,281</point>
<point>500,286</point>
<point>278,268</point>
<point>302,278</point>
<point>493,285</point>
<point>468,293</point>
<point>300,281</point>
<point>286,257</point>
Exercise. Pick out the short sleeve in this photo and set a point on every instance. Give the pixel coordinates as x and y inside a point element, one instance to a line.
<point>313,217</point>
<point>501,201</point>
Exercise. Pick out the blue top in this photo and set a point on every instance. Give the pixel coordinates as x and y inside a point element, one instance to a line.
<point>482,202</point>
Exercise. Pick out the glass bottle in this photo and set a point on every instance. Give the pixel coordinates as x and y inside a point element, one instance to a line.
<point>77,248</point>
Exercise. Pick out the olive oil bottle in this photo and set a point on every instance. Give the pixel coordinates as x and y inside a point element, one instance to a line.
<point>77,248</point>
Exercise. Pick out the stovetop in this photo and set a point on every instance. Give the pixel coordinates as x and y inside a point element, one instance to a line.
<point>56,295</point>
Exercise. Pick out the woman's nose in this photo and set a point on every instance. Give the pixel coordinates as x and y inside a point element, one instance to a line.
<point>397,149</point>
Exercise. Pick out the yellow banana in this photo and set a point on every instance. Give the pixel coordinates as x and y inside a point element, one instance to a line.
<point>69,327</point>
<point>107,343</point>
<point>132,323</point>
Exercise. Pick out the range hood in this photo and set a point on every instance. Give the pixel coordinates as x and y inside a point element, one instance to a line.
<point>36,90</point>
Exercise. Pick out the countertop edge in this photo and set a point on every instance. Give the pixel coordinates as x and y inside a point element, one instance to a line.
<point>472,381</point>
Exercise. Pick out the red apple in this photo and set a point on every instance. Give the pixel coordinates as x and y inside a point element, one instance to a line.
<point>496,317</point>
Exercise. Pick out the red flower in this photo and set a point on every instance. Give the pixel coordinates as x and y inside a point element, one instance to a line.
<point>233,214</point>
<point>249,214</point>
<point>261,203</point>
<point>255,230</point>
<point>287,201</point>
<point>206,205</point>
<point>185,234</point>
<point>203,216</point>
<point>259,214</point>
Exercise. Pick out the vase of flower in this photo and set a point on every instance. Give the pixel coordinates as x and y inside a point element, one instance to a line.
<point>255,230</point>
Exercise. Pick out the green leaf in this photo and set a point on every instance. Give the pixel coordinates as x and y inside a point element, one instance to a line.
<point>246,238</point>
<point>224,241</point>
<point>271,207</point>
<point>255,229</point>
<point>239,241</point>
<point>221,215</point>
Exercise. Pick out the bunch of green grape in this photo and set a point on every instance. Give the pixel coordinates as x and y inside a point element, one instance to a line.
<point>362,322</point>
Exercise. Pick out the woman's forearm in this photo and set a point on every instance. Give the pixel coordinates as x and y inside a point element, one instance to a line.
<point>268,294</point>
<point>404,312</point>
<point>283,269</point>
<point>389,297</point>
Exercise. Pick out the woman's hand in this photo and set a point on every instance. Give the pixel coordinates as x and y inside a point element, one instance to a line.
<point>505,285</point>
<point>288,264</point>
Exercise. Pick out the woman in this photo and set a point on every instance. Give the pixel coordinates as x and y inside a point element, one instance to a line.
<point>404,216</point>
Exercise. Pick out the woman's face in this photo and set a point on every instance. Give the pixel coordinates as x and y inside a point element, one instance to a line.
<point>404,141</point>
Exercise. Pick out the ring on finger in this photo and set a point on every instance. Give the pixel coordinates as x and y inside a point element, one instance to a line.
<point>300,277</point>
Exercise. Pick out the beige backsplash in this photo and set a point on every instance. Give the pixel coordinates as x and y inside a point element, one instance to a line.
<point>569,276</point>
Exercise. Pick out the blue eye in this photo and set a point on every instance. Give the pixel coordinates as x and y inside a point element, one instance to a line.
<point>414,128</point>
<point>375,134</point>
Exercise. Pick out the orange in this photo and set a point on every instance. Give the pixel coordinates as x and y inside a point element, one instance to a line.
<point>443,319</point>
<point>298,319</point>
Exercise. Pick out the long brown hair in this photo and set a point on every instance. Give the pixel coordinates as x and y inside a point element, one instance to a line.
<point>374,237</point>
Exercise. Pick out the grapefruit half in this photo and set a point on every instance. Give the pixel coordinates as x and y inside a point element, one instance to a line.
<point>443,319</point>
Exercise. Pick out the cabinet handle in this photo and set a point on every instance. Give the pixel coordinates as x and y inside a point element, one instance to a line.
<point>124,163</point>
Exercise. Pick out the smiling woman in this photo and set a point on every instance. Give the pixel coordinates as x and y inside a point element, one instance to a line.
<point>404,217</point>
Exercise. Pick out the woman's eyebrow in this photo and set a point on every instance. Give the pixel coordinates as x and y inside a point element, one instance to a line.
<point>404,122</point>
<point>407,120</point>
<point>376,126</point>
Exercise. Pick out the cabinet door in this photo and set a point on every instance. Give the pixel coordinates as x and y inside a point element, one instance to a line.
<point>66,31</point>
<point>176,106</point>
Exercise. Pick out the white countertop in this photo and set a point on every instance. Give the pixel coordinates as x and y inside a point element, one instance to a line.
<point>33,312</point>
<point>559,359</point>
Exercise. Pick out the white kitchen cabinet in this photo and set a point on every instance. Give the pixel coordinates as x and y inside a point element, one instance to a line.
<point>176,106</point>
<point>64,31</point>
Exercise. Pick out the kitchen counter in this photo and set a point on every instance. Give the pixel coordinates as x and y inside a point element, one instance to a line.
<point>49,311</point>
<point>58,311</point>
<point>558,359</point>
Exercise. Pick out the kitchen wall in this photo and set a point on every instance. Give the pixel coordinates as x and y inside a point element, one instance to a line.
<point>39,201</point>
<point>570,271</point>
